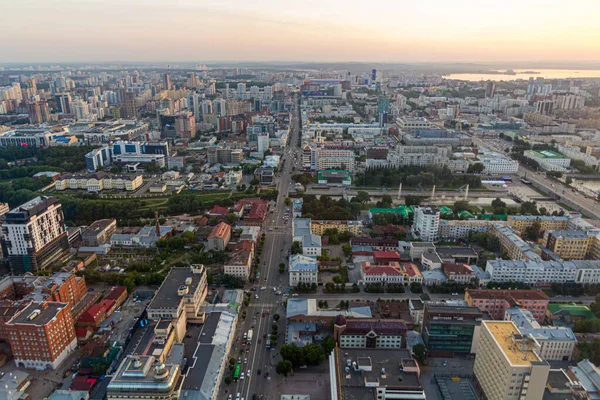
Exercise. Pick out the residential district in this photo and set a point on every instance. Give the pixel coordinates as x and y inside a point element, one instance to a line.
<point>194,232</point>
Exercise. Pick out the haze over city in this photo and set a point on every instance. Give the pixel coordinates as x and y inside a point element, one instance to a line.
<point>309,30</point>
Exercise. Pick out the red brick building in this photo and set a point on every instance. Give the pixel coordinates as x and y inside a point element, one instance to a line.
<point>42,335</point>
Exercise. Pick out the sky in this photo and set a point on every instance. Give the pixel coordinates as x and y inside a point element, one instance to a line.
<point>299,30</point>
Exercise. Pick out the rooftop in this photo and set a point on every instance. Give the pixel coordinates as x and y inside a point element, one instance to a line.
<point>220,230</point>
<point>38,314</point>
<point>98,226</point>
<point>546,154</point>
<point>166,296</point>
<point>517,348</point>
<point>566,234</point>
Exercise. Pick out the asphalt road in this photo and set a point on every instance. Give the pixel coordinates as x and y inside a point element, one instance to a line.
<point>278,242</point>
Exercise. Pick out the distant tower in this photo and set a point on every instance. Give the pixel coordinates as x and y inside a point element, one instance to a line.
<point>490,88</point>
<point>167,81</point>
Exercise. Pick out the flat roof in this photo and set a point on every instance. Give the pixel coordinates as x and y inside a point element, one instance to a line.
<point>46,312</point>
<point>166,296</point>
<point>546,154</point>
<point>504,333</point>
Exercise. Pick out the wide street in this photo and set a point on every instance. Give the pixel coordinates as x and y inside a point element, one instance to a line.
<point>277,245</point>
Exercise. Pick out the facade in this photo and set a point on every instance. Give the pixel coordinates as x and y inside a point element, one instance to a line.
<point>512,244</point>
<point>99,181</point>
<point>239,265</point>
<point>318,227</point>
<point>427,223</point>
<point>303,269</point>
<point>548,160</point>
<point>34,235</point>
<point>460,229</point>
<point>42,335</point>
<point>451,329</point>
<point>180,297</point>
<point>185,125</point>
<point>369,333</point>
<point>99,232</point>
<point>495,302</point>
<point>141,377</point>
<point>547,223</point>
<point>507,365</point>
<point>388,273</point>
<point>556,342</point>
<point>335,159</point>
<point>219,237</point>
<point>544,272</point>
<point>568,245</point>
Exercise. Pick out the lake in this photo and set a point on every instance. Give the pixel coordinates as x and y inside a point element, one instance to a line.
<point>543,73</point>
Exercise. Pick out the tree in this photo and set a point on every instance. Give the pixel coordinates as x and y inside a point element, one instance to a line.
<point>386,201</point>
<point>569,180</point>
<point>529,207</point>
<point>287,201</point>
<point>314,354</point>
<point>416,287</point>
<point>497,203</point>
<point>419,352</point>
<point>461,205</point>
<point>347,249</point>
<point>296,247</point>
<point>284,367</point>
<point>554,174</point>
<point>276,317</point>
<point>232,361</point>
<point>292,353</point>
<point>476,168</point>
<point>411,200</point>
<point>231,218</point>
<point>328,345</point>
<point>533,231</point>
<point>362,197</point>
<point>228,380</point>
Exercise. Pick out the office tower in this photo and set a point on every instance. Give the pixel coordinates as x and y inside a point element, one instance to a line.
<point>135,77</point>
<point>34,113</point>
<point>42,335</point>
<point>507,365</point>
<point>531,86</point>
<point>373,75</point>
<point>490,87</point>
<point>268,91</point>
<point>166,82</point>
<point>34,235</point>
<point>383,104</point>
<point>226,93</point>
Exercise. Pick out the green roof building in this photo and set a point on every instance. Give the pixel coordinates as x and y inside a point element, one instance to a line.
<point>334,177</point>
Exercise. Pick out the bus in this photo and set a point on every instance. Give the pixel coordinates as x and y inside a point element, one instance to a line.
<point>249,337</point>
<point>506,178</point>
<point>238,370</point>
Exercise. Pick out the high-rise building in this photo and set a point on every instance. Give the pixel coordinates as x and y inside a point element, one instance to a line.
<point>262,142</point>
<point>63,102</point>
<point>241,88</point>
<point>427,223</point>
<point>507,365</point>
<point>490,88</point>
<point>373,75</point>
<point>34,113</point>
<point>167,82</point>
<point>185,124</point>
<point>34,235</point>
<point>191,80</point>
<point>42,335</point>
<point>128,107</point>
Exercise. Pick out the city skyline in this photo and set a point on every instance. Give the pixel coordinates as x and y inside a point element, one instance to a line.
<point>133,30</point>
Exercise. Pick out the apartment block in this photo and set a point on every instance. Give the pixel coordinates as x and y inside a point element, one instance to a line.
<point>547,223</point>
<point>568,245</point>
<point>496,302</point>
<point>460,229</point>
<point>512,244</point>
<point>34,235</point>
<point>426,223</point>
<point>507,365</point>
<point>42,335</point>
<point>543,273</point>
<point>318,227</point>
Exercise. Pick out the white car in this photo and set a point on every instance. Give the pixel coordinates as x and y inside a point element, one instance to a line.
<point>263,288</point>
<point>242,376</point>
<point>256,296</point>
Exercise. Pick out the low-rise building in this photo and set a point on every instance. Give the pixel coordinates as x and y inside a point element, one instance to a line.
<point>544,273</point>
<point>548,160</point>
<point>96,182</point>
<point>369,333</point>
<point>495,302</point>
<point>239,265</point>
<point>303,269</point>
<point>334,177</point>
<point>382,273</point>
<point>319,227</point>
<point>512,244</point>
<point>547,222</point>
<point>99,232</point>
<point>219,237</point>
<point>460,273</point>
<point>460,229</point>
<point>301,232</point>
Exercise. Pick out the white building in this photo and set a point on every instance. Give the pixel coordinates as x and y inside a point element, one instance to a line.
<point>303,269</point>
<point>495,163</point>
<point>426,223</point>
<point>411,123</point>
<point>460,229</point>
<point>548,160</point>
<point>34,235</point>
<point>556,343</point>
<point>335,159</point>
<point>536,272</point>
<point>301,232</point>
<point>262,144</point>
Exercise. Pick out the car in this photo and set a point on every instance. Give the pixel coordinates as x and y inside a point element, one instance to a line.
<point>263,288</point>
<point>295,295</point>
<point>238,395</point>
<point>245,361</point>
<point>258,372</point>
<point>256,296</point>
<point>230,396</point>
<point>259,340</point>
<point>445,363</point>
<point>265,336</point>
<point>242,376</point>
<point>248,373</point>
<point>263,314</point>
